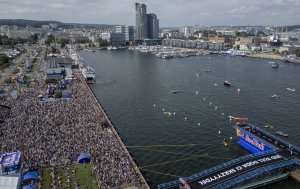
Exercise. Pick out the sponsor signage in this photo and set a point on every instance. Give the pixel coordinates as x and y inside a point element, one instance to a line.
<point>252,140</point>
<point>237,169</point>
<point>10,159</point>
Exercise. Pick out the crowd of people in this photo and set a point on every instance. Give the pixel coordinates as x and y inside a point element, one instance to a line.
<point>55,133</point>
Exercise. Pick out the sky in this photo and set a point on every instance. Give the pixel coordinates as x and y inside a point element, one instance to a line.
<point>171,13</point>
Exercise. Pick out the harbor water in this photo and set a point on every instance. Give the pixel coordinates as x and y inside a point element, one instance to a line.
<point>135,90</point>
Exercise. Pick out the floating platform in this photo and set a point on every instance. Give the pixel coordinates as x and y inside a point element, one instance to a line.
<point>266,181</point>
<point>295,175</point>
<point>272,159</point>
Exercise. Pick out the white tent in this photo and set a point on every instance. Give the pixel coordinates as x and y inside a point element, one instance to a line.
<point>9,182</point>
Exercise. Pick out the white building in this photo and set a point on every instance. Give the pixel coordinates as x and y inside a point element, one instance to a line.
<point>114,38</point>
<point>127,31</point>
<point>185,30</point>
<point>94,38</point>
<point>23,34</point>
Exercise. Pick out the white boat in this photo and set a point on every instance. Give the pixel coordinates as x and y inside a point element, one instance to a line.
<point>275,65</point>
<point>109,48</point>
<point>176,91</point>
<point>227,83</point>
<point>88,73</point>
<point>292,59</point>
<point>183,55</point>
<point>165,56</point>
<point>282,133</point>
<point>291,89</point>
<point>229,52</point>
<point>275,96</point>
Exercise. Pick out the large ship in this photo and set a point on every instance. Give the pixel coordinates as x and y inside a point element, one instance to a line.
<point>293,60</point>
<point>88,73</point>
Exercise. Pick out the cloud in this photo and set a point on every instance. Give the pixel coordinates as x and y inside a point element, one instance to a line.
<point>169,12</point>
<point>57,5</point>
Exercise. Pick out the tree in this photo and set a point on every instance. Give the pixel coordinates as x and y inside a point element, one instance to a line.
<point>3,58</point>
<point>50,39</point>
<point>103,43</point>
<point>63,42</point>
<point>297,53</point>
<point>54,50</point>
<point>33,39</point>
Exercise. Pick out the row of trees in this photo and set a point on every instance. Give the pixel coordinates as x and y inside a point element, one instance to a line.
<point>103,43</point>
<point>63,41</point>
<point>4,40</point>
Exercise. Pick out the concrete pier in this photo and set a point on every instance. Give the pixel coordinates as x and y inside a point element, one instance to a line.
<point>144,184</point>
<point>267,56</point>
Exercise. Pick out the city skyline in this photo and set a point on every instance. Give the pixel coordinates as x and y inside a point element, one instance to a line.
<point>172,13</point>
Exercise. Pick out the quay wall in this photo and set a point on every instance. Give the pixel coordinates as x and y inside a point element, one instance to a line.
<point>267,56</point>
<point>142,179</point>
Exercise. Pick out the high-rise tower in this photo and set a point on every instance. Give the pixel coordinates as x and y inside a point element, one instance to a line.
<point>141,25</point>
<point>153,26</point>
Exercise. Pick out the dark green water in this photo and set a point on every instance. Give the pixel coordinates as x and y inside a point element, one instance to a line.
<point>130,83</point>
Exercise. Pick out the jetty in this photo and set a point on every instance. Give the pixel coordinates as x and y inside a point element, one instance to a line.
<point>272,159</point>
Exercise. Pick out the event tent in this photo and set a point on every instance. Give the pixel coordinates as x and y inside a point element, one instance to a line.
<point>31,176</point>
<point>84,158</point>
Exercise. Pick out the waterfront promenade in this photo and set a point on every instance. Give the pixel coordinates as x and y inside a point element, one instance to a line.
<point>55,133</point>
<point>267,56</point>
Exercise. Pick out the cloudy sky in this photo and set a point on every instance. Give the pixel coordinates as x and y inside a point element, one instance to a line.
<point>169,12</point>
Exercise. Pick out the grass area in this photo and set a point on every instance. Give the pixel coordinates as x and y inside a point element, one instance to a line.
<point>85,178</point>
<point>83,174</point>
<point>46,179</point>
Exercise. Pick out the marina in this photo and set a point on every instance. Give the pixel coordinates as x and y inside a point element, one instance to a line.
<point>166,52</point>
<point>200,116</point>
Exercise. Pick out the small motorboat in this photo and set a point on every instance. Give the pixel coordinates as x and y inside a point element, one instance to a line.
<point>291,89</point>
<point>207,70</point>
<point>176,91</point>
<point>268,126</point>
<point>168,114</point>
<point>275,65</point>
<point>227,83</point>
<point>275,96</point>
<point>282,133</point>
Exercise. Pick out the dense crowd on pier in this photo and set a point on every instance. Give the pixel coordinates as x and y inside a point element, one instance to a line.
<point>55,133</point>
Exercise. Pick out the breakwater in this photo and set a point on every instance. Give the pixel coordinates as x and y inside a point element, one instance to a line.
<point>143,183</point>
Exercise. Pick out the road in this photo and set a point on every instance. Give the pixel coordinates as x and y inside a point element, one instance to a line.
<point>16,62</point>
